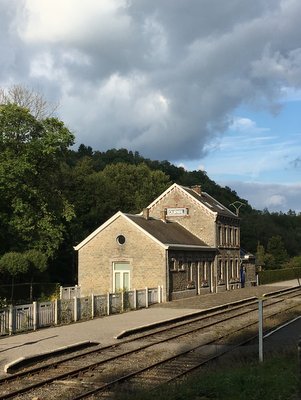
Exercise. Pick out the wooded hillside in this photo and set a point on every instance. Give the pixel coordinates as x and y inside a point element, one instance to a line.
<point>53,196</point>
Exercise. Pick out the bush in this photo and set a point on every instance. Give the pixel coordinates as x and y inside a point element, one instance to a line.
<point>270,276</point>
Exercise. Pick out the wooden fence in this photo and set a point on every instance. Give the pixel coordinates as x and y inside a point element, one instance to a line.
<point>14,319</point>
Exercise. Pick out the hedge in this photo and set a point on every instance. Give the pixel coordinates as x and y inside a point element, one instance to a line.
<point>277,275</point>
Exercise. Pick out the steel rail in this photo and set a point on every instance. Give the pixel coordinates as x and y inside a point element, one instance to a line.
<point>134,374</point>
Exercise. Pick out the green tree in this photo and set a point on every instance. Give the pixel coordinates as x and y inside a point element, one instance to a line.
<point>294,262</point>
<point>131,187</point>
<point>14,263</point>
<point>37,261</point>
<point>276,249</point>
<point>98,195</point>
<point>33,207</point>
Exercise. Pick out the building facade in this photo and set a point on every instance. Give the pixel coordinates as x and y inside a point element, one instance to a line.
<point>185,241</point>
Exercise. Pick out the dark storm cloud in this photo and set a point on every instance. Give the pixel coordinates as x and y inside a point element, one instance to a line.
<point>161,77</point>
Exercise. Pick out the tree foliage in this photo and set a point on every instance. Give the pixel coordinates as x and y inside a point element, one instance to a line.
<point>274,256</point>
<point>98,195</point>
<point>14,263</point>
<point>33,206</point>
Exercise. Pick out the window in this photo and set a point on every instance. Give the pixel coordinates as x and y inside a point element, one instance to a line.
<point>121,276</point>
<point>220,236</point>
<point>190,271</point>
<point>205,270</point>
<point>225,235</point>
<point>236,236</point>
<point>120,239</point>
<point>230,236</point>
<point>172,264</point>
<point>232,274</point>
<point>220,272</point>
<point>236,269</point>
<point>181,266</point>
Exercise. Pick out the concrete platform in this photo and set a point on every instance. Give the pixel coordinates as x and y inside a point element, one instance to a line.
<point>105,330</point>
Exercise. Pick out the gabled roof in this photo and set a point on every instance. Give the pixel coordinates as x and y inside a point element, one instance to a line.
<point>167,234</point>
<point>204,200</point>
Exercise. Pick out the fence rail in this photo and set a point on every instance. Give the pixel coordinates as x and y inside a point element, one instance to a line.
<point>14,319</point>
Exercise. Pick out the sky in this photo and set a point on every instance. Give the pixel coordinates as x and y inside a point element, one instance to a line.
<point>205,84</point>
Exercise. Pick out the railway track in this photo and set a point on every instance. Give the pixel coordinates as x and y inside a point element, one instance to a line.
<point>149,359</point>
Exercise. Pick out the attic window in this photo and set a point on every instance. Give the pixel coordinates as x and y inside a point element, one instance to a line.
<point>120,239</point>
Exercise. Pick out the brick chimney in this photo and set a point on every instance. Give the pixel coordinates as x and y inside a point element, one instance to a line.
<point>145,213</point>
<point>197,189</point>
<point>163,215</point>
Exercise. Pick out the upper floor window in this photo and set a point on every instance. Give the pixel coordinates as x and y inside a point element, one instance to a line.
<point>220,235</point>
<point>236,241</point>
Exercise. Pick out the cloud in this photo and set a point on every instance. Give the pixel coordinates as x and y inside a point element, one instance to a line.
<point>92,22</point>
<point>158,77</point>
<point>241,124</point>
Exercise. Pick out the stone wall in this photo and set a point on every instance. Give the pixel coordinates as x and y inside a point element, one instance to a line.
<point>147,259</point>
<point>250,277</point>
<point>199,220</point>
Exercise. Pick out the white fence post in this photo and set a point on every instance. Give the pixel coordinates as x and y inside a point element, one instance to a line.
<point>135,299</point>
<point>146,297</point>
<point>56,312</point>
<point>92,306</point>
<point>75,309</point>
<point>108,304</point>
<point>159,294</point>
<point>61,292</point>
<point>122,301</point>
<point>11,320</point>
<point>35,315</point>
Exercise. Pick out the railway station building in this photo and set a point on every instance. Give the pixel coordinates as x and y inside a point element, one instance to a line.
<point>185,241</point>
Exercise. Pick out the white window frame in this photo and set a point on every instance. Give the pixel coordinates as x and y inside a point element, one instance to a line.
<point>122,272</point>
